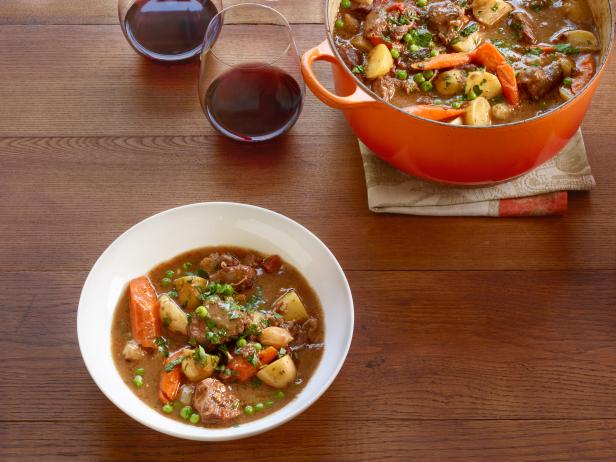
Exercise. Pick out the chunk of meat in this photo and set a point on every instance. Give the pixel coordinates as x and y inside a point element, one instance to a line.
<point>538,81</point>
<point>445,18</point>
<point>375,24</point>
<point>350,55</point>
<point>361,7</point>
<point>228,323</point>
<point>272,264</point>
<point>215,402</point>
<point>240,277</point>
<point>399,31</point>
<point>215,261</point>
<point>521,23</point>
<point>386,86</point>
<point>304,333</point>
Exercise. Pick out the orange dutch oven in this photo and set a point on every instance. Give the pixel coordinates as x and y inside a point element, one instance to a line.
<point>447,153</point>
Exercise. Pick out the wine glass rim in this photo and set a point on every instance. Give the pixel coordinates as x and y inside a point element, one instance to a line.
<point>286,24</point>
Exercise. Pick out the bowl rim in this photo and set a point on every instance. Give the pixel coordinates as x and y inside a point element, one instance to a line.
<point>602,64</point>
<point>236,432</point>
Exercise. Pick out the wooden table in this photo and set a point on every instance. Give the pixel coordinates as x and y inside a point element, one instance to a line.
<point>475,339</point>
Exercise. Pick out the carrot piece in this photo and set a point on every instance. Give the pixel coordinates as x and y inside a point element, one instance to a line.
<point>268,355</point>
<point>443,61</point>
<point>396,7</point>
<point>586,68</point>
<point>242,369</point>
<point>433,112</point>
<point>488,55</point>
<point>144,315</point>
<point>170,382</point>
<point>378,40</point>
<point>506,76</point>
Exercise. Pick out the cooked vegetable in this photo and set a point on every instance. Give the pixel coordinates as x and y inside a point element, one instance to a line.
<point>478,112</point>
<point>484,84</point>
<point>277,337</point>
<point>457,121</point>
<point>138,381</point>
<point>582,39</point>
<point>565,93</point>
<point>199,365</point>
<point>144,316</point>
<point>189,288</point>
<point>434,112</point>
<point>489,12</point>
<point>566,65</point>
<point>132,351</point>
<point>362,43</point>
<point>443,61</point>
<point>450,83</point>
<point>577,10</point>
<point>172,315</point>
<point>171,381</point>
<point>280,373</point>
<point>501,111</point>
<point>186,394</point>
<point>584,70</point>
<point>467,43</point>
<point>379,63</point>
<point>291,307</point>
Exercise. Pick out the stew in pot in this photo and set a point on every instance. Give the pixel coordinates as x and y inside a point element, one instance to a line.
<point>471,62</point>
<point>218,336</point>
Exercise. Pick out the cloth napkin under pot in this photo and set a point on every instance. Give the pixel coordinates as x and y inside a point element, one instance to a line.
<point>543,191</point>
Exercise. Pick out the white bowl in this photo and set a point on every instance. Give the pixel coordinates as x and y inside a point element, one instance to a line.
<point>167,234</point>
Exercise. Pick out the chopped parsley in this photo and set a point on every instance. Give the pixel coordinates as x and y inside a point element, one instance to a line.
<point>174,362</point>
<point>255,301</point>
<point>566,48</point>
<point>163,347</point>
<point>468,30</point>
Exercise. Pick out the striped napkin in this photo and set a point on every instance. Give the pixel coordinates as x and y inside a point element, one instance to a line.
<point>543,191</point>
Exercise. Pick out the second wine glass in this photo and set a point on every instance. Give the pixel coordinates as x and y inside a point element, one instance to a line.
<point>250,83</point>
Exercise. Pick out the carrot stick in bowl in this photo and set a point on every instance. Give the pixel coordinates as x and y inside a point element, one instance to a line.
<point>433,112</point>
<point>171,380</point>
<point>144,315</point>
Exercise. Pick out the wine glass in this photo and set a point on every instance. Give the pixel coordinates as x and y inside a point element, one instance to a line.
<point>167,30</point>
<point>250,84</point>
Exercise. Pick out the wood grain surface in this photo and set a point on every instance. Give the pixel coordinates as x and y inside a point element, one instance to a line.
<point>475,339</point>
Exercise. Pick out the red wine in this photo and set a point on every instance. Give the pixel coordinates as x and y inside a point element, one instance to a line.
<point>168,30</point>
<point>253,102</point>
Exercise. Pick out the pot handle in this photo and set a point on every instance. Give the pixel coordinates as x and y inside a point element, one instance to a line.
<point>323,52</point>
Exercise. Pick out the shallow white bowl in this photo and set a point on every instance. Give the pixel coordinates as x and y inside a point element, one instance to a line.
<point>167,234</point>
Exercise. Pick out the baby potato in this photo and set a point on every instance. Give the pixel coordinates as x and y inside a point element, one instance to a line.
<point>478,112</point>
<point>277,337</point>
<point>490,12</point>
<point>488,83</point>
<point>198,369</point>
<point>566,65</point>
<point>450,83</point>
<point>467,43</point>
<point>188,290</point>
<point>582,39</point>
<point>502,111</point>
<point>457,121</point>
<point>565,93</point>
<point>278,374</point>
<point>290,306</point>
<point>380,62</point>
<point>172,315</point>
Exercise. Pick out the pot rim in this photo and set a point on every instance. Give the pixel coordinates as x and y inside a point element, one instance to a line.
<point>600,69</point>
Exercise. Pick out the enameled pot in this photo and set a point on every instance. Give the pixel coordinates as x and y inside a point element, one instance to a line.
<point>447,153</point>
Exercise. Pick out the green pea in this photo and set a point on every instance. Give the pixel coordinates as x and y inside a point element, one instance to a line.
<point>169,274</point>
<point>201,312</point>
<point>401,74</point>
<point>258,346</point>
<point>187,266</point>
<point>140,371</point>
<point>138,381</point>
<point>228,289</point>
<point>241,342</point>
<point>346,4</point>
<point>395,53</point>
<point>165,281</point>
<point>249,410</point>
<point>173,294</point>
<point>456,105</point>
<point>186,412</point>
<point>567,81</point>
<point>195,418</point>
<point>279,394</point>
<point>426,86</point>
<point>428,74</point>
<point>471,95</point>
<point>419,78</point>
<point>259,407</point>
<point>168,408</point>
<point>269,403</point>
<point>414,47</point>
<point>434,52</point>
<point>408,38</point>
<point>422,3</point>
<point>339,24</point>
